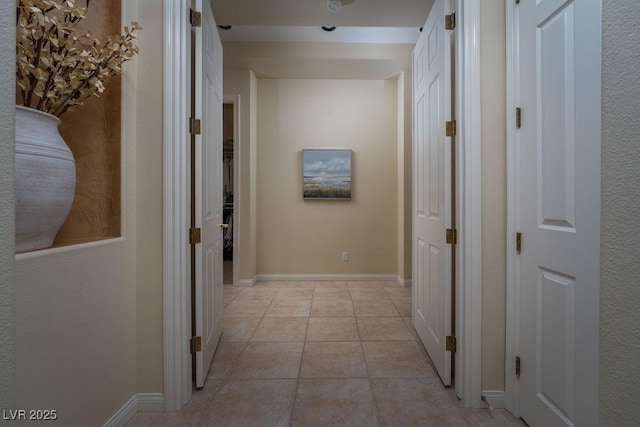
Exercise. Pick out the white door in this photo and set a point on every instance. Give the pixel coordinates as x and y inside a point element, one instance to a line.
<point>432,189</point>
<point>559,173</point>
<point>208,190</point>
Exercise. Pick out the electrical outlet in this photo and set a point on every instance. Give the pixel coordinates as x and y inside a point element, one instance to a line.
<point>345,256</point>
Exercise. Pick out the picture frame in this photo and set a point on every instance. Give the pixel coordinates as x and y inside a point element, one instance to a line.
<point>326,174</point>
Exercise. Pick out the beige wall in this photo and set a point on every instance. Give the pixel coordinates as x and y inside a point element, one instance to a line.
<point>89,317</point>
<point>308,237</point>
<point>7,230</point>
<point>620,226</point>
<point>494,202</point>
<point>149,220</point>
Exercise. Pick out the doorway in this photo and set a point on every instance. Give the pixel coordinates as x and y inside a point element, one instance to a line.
<point>228,189</point>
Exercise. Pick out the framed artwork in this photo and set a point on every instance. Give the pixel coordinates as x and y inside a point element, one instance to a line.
<point>326,174</point>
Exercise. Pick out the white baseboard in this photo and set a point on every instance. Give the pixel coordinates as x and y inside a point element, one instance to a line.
<point>494,398</point>
<point>247,283</point>
<point>404,282</point>
<point>319,277</point>
<point>141,402</point>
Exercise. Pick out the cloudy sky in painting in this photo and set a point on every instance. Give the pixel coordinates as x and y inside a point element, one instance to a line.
<point>327,163</point>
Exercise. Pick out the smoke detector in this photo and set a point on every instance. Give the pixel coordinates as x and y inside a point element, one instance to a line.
<point>334,5</point>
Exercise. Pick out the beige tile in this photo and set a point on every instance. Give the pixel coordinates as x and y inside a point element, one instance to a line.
<point>333,360</point>
<point>281,329</point>
<point>299,284</point>
<point>295,293</point>
<point>238,329</point>
<point>260,294</point>
<point>331,294</point>
<point>409,322</point>
<point>487,418</point>
<point>334,402</point>
<point>398,292</point>
<point>332,284</point>
<point>332,329</point>
<point>357,284</point>
<point>289,308</point>
<point>227,354</point>
<point>401,359</point>
<point>369,294</point>
<point>331,308</point>
<point>375,308</point>
<point>194,412</point>
<point>252,403</point>
<point>246,308</point>
<point>415,402</point>
<point>269,360</point>
<point>403,305</point>
<point>268,284</point>
<point>390,284</point>
<point>383,329</point>
<point>160,419</point>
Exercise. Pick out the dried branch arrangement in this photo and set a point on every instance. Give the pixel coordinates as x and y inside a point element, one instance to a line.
<point>58,64</point>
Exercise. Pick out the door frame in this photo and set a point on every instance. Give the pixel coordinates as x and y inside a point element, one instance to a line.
<point>176,275</point>
<point>235,101</point>
<point>468,360</point>
<point>176,216</point>
<point>512,391</point>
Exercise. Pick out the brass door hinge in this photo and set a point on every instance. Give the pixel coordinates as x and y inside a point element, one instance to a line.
<point>195,236</point>
<point>518,117</point>
<point>451,344</point>
<point>195,126</point>
<point>450,21</point>
<point>450,128</point>
<point>196,344</point>
<point>452,236</point>
<point>518,242</point>
<point>518,366</point>
<point>195,18</point>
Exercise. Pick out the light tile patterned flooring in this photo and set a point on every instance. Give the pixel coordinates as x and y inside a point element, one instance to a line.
<point>322,354</point>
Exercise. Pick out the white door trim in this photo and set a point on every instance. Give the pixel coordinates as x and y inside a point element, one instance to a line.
<point>469,205</point>
<point>176,265</point>
<point>512,394</point>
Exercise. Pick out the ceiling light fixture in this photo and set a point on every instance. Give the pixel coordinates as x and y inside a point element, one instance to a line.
<point>334,5</point>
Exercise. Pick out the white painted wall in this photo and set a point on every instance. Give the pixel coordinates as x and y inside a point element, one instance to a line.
<point>620,223</point>
<point>7,247</point>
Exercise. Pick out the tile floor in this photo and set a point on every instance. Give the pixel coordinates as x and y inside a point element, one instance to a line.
<point>322,354</point>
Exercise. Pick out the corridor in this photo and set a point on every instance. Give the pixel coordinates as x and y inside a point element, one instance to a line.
<point>320,354</point>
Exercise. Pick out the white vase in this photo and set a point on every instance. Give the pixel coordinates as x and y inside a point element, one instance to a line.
<point>45,179</point>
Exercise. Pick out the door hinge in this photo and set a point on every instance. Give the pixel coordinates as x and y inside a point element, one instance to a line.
<point>452,236</point>
<point>518,366</point>
<point>517,1</point>
<point>196,344</point>
<point>451,344</point>
<point>518,242</point>
<point>450,21</point>
<point>195,126</point>
<point>195,236</point>
<point>450,128</point>
<point>518,118</point>
<point>195,18</point>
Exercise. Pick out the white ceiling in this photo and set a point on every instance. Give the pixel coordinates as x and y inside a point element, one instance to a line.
<point>283,38</point>
<point>360,13</point>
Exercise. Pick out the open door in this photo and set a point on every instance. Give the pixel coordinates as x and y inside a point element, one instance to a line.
<point>432,186</point>
<point>558,180</point>
<point>207,191</point>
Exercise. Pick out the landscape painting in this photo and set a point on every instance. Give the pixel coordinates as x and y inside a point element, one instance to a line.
<point>326,174</point>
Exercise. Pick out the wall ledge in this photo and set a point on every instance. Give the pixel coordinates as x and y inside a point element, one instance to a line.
<point>141,402</point>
